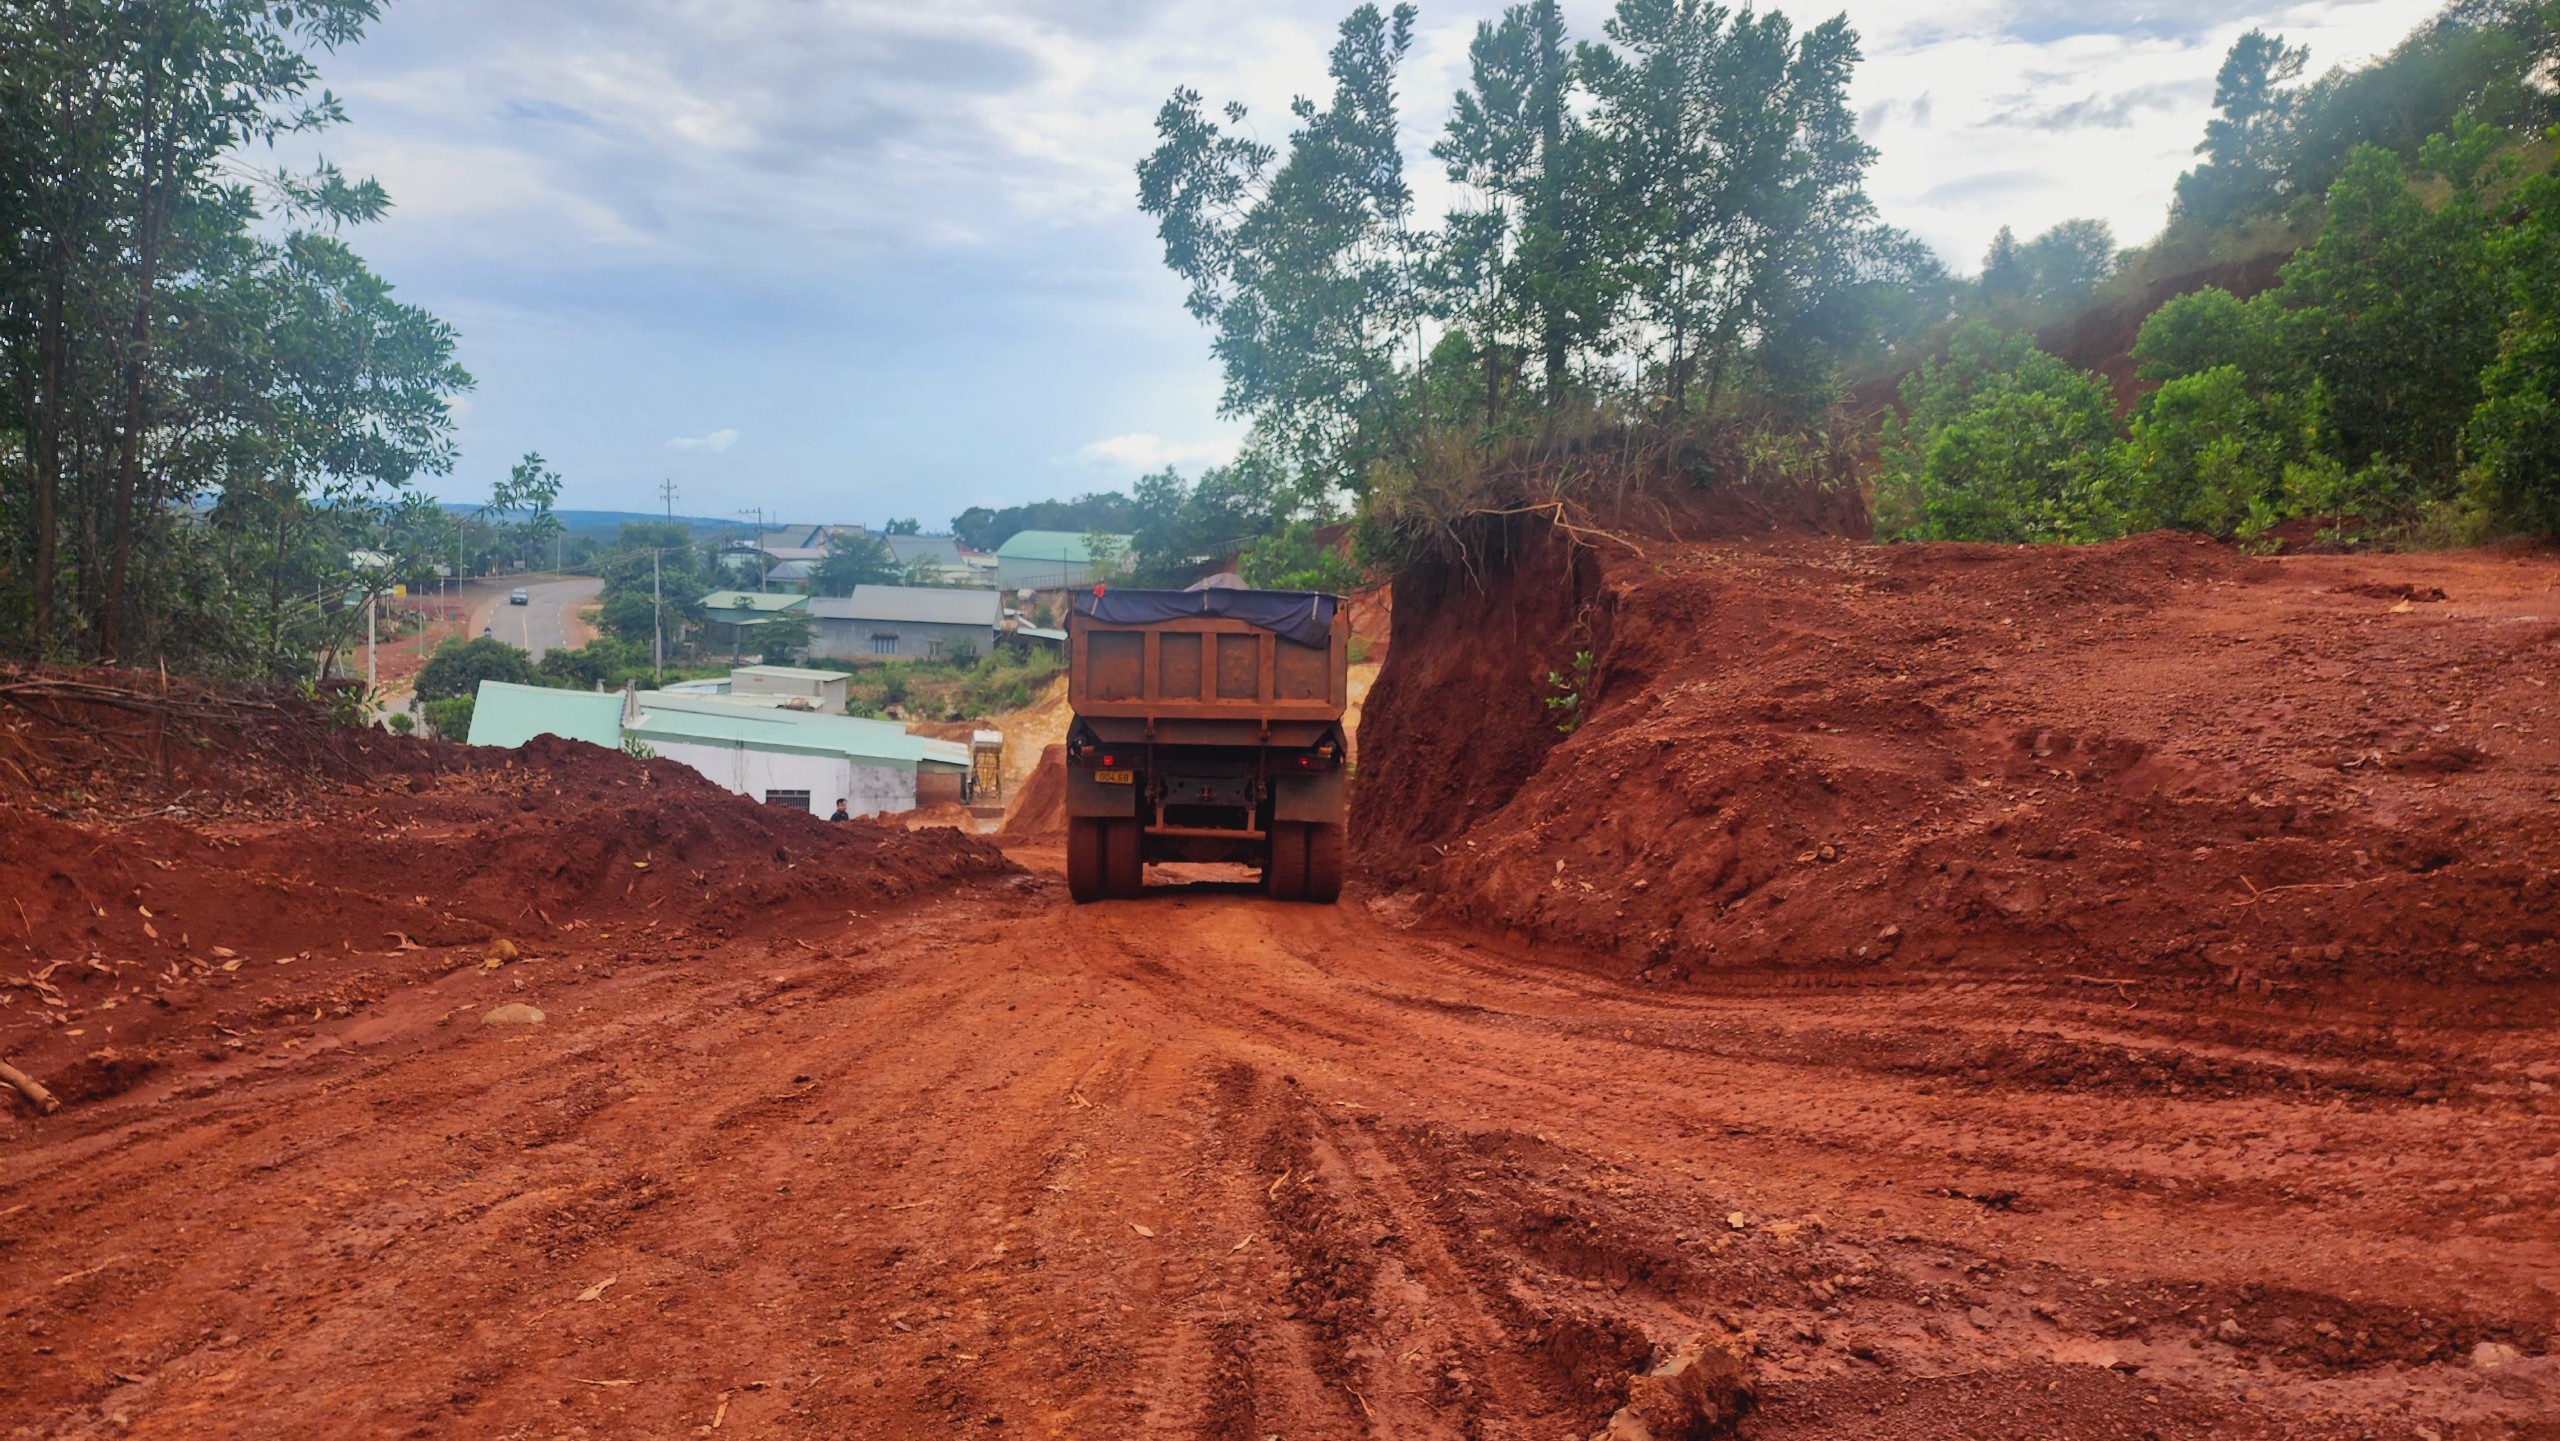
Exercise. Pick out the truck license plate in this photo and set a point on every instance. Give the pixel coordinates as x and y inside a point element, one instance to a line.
<point>1116,778</point>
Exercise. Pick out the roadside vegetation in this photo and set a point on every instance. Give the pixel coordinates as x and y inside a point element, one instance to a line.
<point>1007,678</point>
<point>1665,270</point>
<point>215,418</point>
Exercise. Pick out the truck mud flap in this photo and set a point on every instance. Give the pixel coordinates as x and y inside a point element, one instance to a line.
<point>1315,797</point>
<point>1089,797</point>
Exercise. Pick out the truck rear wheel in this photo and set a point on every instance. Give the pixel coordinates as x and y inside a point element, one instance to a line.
<point>1124,869</point>
<point>1084,858</point>
<point>1285,874</point>
<point>1324,864</point>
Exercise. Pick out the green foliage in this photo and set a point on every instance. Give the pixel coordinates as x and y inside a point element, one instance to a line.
<point>519,508</point>
<point>458,667</point>
<point>903,527</point>
<point>1293,559</point>
<point>2397,309</point>
<point>2208,454</point>
<point>449,719</point>
<point>979,528</point>
<point>2000,442</point>
<point>400,722</point>
<point>182,338</point>
<point>2052,273</point>
<point>2515,432</point>
<point>604,663</point>
<point>1566,704</point>
<point>2275,143</point>
<point>780,639</point>
<point>853,560</point>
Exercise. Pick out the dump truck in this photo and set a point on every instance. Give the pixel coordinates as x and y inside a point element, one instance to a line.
<point>1207,727</point>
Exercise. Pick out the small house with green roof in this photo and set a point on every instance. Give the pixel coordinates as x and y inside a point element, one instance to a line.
<point>1048,560</point>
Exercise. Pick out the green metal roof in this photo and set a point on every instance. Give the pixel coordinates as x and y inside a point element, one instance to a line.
<point>1057,545</point>
<point>701,722</point>
<point>504,714</point>
<point>788,672</point>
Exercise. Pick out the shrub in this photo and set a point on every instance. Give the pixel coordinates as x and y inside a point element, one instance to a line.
<point>2002,442</point>
<point>401,722</point>
<point>449,719</point>
<point>458,667</point>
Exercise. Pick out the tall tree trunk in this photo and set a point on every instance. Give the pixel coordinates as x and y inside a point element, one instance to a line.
<point>137,357</point>
<point>1551,103</point>
<point>47,447</point>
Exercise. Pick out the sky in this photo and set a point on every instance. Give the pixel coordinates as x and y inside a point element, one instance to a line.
<point>848,260</point>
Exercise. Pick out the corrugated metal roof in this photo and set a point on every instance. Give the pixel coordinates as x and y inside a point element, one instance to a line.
<point>920,605</point>
<point>790,732</point>
<point>911,548</point>
<point>1058,545</point>
<point>786,672</point>
<point>748,602</point>
<point>505,714</point>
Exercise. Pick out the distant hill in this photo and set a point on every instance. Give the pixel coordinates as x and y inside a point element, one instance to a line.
<point>606,522</point>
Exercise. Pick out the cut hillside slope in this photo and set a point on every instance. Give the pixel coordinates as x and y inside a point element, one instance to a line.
<point>2157,759</point>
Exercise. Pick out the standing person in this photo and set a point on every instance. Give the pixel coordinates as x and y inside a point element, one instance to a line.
<point>841,813</point>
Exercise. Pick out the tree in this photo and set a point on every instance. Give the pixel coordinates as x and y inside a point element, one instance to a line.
<point>1999,442</point>
<point>2396,311</point>
<point>2056,271</point>
<point>174,329</point>
<point>458,667</point>
<point>903,527</point>
<point>2514,433</point>
<point>522,505</point>
<point>1517,271</point>
<point>854,559</point>
<point>1307,274</point>
<point>1735,206</point>
<point>2247,145</point>
<point>785,635</point>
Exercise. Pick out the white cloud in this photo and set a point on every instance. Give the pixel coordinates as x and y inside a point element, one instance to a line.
<point>716,442</point>
<point>1141,451</point>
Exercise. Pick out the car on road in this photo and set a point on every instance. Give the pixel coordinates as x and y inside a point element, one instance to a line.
<point>518,597</point>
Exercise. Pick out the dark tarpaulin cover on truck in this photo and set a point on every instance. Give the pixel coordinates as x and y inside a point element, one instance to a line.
<point>1304,616</point>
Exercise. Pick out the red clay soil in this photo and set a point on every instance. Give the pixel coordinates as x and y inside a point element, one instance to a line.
<point>1038,815</point>
<point>2158,759</point>
<point>1198,1165</point>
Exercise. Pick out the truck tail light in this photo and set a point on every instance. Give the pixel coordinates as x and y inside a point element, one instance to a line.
<point>1108,761</point>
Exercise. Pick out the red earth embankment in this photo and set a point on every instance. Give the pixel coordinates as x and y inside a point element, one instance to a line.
<point>2149,760</point>
<point>180,865</point>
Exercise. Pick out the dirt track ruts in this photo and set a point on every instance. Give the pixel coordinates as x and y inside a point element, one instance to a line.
<point>1201,1166</point>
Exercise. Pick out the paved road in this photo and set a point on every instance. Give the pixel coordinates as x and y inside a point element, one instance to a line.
<point>550,619</point>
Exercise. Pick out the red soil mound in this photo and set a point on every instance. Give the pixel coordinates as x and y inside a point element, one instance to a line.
<point>2158,757</point>
<point>204,857</point>
<point>1038,815</point>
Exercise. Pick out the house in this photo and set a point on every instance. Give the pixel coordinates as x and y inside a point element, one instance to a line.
<point>940,557</point>
<point>886,622</point>
<point>1047,560</point>
<point>744,744</point>
<point>822,690</point>
<point>505,714</point>
<point>730,617</point>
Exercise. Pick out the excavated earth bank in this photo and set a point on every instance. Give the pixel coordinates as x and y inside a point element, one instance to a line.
<point>2159,762</point>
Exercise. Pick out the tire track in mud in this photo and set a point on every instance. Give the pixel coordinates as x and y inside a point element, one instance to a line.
<point>1198,1168</point>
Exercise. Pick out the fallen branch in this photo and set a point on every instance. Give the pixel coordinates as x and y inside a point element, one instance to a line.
<point>25,1084</point>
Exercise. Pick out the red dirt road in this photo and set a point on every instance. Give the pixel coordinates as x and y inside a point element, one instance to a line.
<point>1203,1166</point>
<point>847,1131</point>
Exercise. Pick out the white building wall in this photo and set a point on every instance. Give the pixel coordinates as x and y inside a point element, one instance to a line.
<point>867,790</point>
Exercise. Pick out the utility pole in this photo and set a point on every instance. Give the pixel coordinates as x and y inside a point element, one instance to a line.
<point>758,513</point>
<point>657,592</point>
